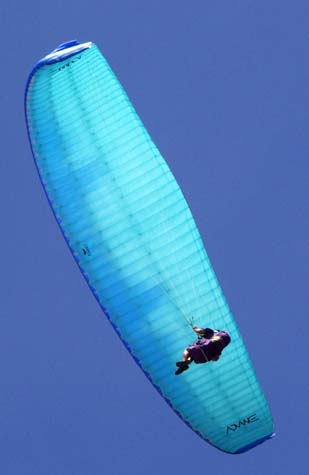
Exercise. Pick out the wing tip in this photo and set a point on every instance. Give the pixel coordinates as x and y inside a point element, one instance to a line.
<point>254,444</point>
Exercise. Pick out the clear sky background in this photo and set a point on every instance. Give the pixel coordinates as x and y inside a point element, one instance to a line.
<point>223,89</point>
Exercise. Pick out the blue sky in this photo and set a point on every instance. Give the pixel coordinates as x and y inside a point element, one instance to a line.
<point>222,88</point>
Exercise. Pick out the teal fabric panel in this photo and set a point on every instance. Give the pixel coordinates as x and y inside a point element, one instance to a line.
<point>133,235</point>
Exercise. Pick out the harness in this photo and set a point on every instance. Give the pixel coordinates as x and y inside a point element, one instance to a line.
<point>209,348</point>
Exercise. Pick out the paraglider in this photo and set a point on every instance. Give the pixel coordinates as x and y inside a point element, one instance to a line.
<point>208,347</point>
<point>134,238</point>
